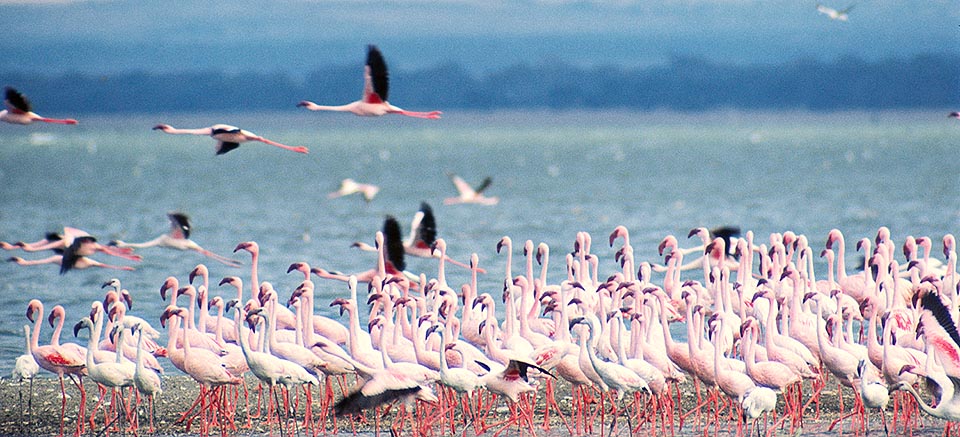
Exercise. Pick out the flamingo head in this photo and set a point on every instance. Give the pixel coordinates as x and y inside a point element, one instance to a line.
<point>199,270</point>
<point>83,323</point>
<point>343,303</point>
<point>170,283</point>
<point>249,246</point>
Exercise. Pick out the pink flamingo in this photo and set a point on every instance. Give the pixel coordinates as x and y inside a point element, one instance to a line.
<point>204,366</point>
<point>228,137</point>
<point>20,111</point>
<point>468,194</point>
<point>178,238</point>
<point>349,186</point>
<point>376,83</point>
<point>58,360</point>
<point>76,256</point>
<point>423,233</point>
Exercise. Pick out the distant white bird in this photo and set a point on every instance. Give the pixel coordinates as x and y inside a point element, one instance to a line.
<point>349,186</point>
<point>468,194</point>
<point>873,392</point>
<point>228,137</point>
<point>19,110</point>
<point>26,368</point>
<point>376,85</point>
<point>178,238</point>
<point>834,14</point>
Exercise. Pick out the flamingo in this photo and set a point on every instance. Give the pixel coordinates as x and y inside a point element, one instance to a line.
<point>349,186</point>
<point>873,392</point>
<point>178,238</point>
<point>834,14</point>
<point>204,366</point>
<point>375,93</point>
<point>228,137</point>
<point>423,233</point>
<point>25,368</point>
<point>615,376</point>
<point>146,381</point>
<point>468,194</point>
<point>20,111</point>
<point>58,360</point>
<point>76,256</point>
<point>112,375</point>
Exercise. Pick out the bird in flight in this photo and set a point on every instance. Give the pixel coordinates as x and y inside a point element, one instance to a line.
<point>228,137</point>
<point>376,84</point>
<point>20,111</point>
<point>349,186</point>
<point>468,194</point>
<point>834,14</point>
<point>178,238</point>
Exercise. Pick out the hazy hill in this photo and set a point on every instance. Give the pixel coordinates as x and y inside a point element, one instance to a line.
<point>685,83</point>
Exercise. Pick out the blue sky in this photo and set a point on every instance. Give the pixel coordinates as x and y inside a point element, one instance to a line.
<point>299,35</point>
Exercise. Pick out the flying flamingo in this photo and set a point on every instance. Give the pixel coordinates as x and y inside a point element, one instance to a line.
<point>59,360</point>
<point>228,137</point>
<point>349,186</point>
<point>20,111</point>
<point>468,194</point>
<point>59,242</point>
<point>76,256</point>
<point>423,233</point>
<point>375,93</point>
<point>178,238</point>
<point>834,14</point>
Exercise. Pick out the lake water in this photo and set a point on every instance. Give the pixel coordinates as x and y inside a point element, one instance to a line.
<point>556,174</point>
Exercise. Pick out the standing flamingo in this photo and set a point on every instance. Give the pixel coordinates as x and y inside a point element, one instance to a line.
<point>376,83</point>
<point>20,111</point>
<point>25,368</point>
<point>146,381</point>
<point>59,360</point>
<point>113,375</point>
<point>228,137</point>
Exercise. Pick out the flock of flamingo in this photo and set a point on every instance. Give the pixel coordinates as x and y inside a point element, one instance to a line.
<point>435,358</point>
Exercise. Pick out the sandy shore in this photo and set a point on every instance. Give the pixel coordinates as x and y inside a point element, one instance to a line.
<point>179,391</point>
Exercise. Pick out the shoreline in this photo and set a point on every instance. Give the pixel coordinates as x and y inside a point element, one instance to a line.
<point>179,391</point>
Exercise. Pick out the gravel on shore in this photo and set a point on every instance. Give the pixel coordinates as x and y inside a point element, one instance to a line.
<point>179,392</point>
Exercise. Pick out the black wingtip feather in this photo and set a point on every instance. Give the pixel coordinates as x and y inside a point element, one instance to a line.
<point>427,231</point>
<point>931,301</point>
<point>357,402</point>
<point>393,242</point>
<point>16,99</point>
<point>378,72</point>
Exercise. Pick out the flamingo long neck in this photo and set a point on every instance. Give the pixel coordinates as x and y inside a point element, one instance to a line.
<point>35,337</point>
<point>443,355</point>
<point>254,277</point>
<point>140,367</point>
<point>841,258</point>
<point>55,338</point>
<point>204,310</point>
<point>185,343</point>
<point>271,325</point>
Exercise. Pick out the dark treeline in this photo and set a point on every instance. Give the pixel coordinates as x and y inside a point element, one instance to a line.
<point>684,84</point>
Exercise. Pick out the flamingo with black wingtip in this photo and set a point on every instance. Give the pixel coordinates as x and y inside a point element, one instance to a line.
<point>376,85</point>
